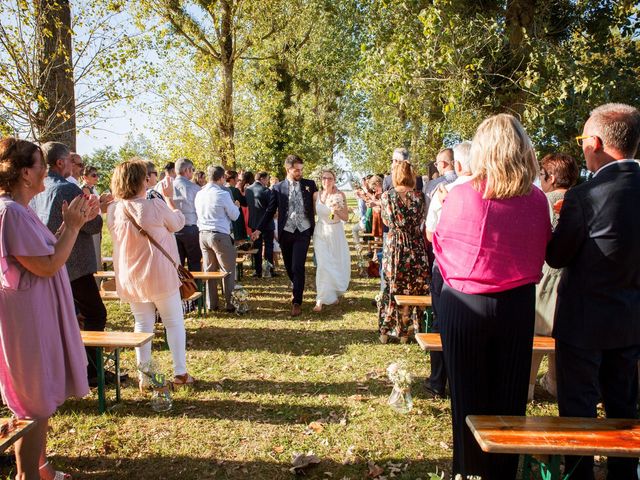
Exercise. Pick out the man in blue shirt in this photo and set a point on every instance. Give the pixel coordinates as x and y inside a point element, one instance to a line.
<point>215,210</point>
<point>184,194</point>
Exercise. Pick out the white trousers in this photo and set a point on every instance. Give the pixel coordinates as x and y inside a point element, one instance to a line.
<point>170,309</point>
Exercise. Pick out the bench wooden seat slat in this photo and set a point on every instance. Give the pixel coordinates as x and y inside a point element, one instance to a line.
<point>556,435</point>
<point>414,300</point>
<point>196,275</point>
<point>10,438</point>
<point>115,339</point>
<point>433,342</point>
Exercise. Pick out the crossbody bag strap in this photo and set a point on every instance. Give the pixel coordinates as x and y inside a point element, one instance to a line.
<point>152,241</point>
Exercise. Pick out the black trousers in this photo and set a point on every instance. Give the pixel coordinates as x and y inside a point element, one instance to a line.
<point>265,238</point>
<point>487,341</point>
<point>584,377</point>
<point>86,297</point>
<point>437,381</point>
<point>188,240</point>
<point>295,247</point>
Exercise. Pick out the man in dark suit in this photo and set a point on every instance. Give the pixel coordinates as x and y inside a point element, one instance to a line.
<point>293,200</point>
<point>257,196</point>
<point>597,241</point>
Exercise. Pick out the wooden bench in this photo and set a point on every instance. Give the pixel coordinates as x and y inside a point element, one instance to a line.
<point>555,436</point>
<point>422,301</point>
<point>241,255</point>
<point>433,342</point>
<point>16,434</point>
<point>113,341</point>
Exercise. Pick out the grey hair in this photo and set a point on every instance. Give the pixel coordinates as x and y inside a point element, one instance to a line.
<point>54,151</point>
<point>182,164</point>
<point>400,154</point>
<point>214,173</point>
<point>462,155</point>
<point>618,125</point>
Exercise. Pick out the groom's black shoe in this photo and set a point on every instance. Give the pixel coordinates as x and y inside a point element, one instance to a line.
<point>296,310</point>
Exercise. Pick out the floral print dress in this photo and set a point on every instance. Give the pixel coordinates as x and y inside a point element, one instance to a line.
<point>404,263</point>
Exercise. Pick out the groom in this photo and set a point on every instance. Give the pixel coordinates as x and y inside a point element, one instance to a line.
<point>293,200</point>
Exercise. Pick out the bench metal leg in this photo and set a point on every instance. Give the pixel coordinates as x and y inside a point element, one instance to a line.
<point>102,404</point>
<point>548,470</point>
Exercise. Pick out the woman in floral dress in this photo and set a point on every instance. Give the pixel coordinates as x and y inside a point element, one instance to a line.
<point>404,263</point>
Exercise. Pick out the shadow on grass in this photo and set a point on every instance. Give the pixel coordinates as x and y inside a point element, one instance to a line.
<point>105,467</point>
<point>373,387</point>
<point>281,340</point>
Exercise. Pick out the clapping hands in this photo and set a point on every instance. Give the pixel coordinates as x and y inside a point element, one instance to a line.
<point>81,209</point>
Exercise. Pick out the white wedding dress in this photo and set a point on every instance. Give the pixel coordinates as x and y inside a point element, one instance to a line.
<point>333,259</point>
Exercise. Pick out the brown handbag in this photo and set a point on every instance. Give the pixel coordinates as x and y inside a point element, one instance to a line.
<point>188,284</point>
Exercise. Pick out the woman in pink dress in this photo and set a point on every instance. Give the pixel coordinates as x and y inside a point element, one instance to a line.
<point>42,359</point>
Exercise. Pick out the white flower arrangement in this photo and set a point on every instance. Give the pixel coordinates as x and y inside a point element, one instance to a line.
<point>399,375</point>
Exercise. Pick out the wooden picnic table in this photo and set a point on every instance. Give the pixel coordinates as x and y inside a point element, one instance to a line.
<point>198,296</point>
<point>413,300</point>
<point>556,436</point>
<point>112,341</point>
<point>11,437</point>
<point>433,342</point>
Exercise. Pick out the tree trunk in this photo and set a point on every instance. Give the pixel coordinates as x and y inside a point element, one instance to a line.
<point>226,124</point>
<point>56,118</point>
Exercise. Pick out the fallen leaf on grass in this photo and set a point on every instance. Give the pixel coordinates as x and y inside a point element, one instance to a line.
<point>374,470</point>
<point>444,446</point>
<point>301,461</point>
<point>278,449</point>
<point>357,398</point>
<point>314,427</point>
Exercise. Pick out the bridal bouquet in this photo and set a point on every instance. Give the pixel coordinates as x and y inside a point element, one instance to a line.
<point>400,399</point>
<point>240,299</point>
<point>335,202</point>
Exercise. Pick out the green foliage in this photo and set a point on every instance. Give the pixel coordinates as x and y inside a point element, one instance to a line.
<point>105,159</point>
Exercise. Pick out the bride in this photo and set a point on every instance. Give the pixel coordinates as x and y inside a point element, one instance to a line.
<point>333,272</point>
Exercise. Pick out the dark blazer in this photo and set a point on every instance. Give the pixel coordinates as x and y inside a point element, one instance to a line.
<point>279,202</point>
<point>257,196</point>
<point>598,241</point>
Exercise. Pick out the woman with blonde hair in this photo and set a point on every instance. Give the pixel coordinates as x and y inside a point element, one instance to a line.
<point>404,261</point>
<point>144,276</point>
<point>490,247</point>
<point>333,272</point>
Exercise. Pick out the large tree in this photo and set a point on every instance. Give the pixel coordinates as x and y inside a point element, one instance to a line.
<point>62,65</point>
<point>221,32</point>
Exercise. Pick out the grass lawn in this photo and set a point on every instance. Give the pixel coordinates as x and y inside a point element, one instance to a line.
<point>263,379</point>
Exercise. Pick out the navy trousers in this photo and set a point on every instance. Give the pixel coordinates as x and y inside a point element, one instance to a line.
<point>487,342</point>
<point>437,381</point>
<point>265,238</point>
<point>295,247</point>
<point>585,376</point>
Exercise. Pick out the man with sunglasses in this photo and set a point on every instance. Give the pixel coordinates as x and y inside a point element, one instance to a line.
<point>77,166</point>
<point>597,322</point>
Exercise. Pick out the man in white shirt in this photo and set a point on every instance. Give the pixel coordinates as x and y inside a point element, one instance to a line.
<point>437,381</point>
<point>184,194</point>
<point>215,211</point>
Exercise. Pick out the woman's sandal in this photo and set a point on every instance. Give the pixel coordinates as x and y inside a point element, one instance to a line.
<point>57,475</point>
<point>183,380</point>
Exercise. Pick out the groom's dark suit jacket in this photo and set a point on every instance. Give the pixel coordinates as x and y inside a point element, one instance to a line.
<point>598,241</point>
<point>279,202</point>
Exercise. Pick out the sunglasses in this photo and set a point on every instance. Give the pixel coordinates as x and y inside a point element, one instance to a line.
<point>94,175</point>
